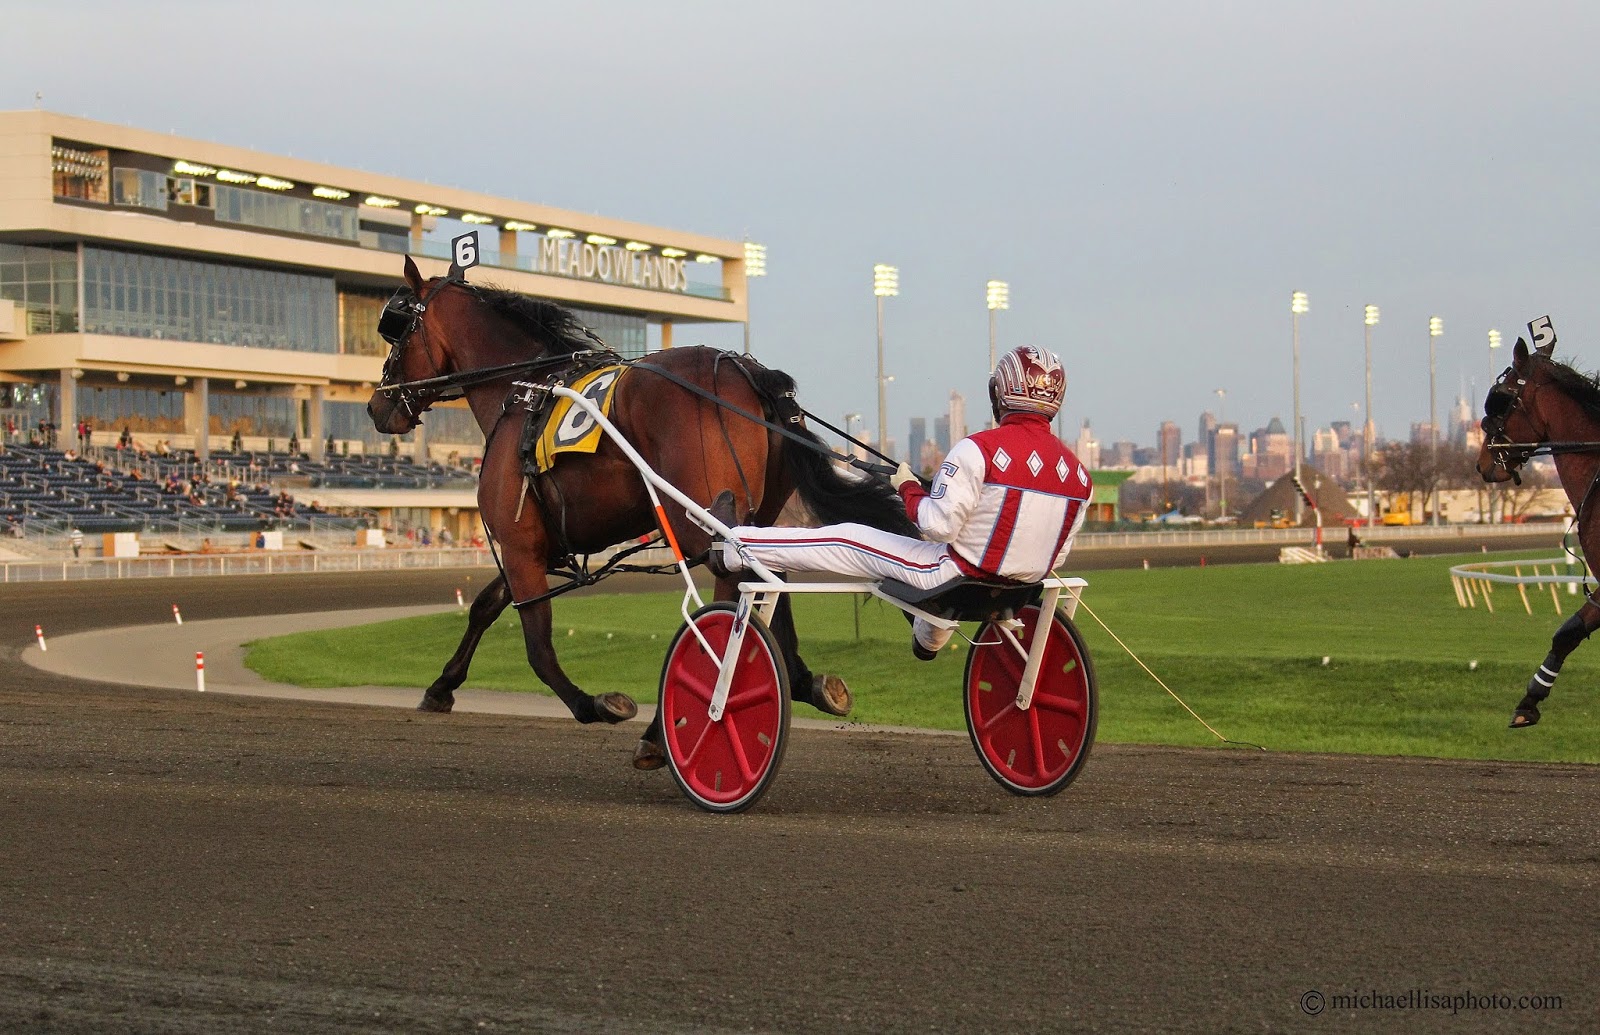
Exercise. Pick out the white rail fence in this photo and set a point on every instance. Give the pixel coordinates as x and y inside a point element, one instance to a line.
<point>262,562</point>
<point>1475,582</point>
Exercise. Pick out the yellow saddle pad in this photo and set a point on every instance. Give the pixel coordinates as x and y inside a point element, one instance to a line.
<point>569,428</point>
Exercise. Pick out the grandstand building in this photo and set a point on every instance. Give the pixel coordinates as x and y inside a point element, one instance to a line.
<point>215,311</point>
<point>188,292</point>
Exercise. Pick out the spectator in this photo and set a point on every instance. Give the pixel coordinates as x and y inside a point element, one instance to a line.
<point>294,443</point>
<point>125,440</point>
<point>237,444</point>
<point>76,539</point>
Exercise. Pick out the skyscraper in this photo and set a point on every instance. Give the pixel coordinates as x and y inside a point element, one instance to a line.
<point>941,433</point>
<point>958,418</point>
<point>919,434</point>
<point>1088,447</point>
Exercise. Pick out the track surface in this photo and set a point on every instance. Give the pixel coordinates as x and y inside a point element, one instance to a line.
<point>172,862</point>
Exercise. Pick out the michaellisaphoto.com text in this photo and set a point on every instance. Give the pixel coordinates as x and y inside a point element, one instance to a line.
<point>1315,1001</point>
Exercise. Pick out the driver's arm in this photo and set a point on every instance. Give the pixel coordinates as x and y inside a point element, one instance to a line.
<point>942,511</point>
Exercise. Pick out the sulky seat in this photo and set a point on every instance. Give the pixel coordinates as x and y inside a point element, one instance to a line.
<point>967,600</point>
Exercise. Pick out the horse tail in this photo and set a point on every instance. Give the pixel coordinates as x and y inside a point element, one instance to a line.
<point>832,494</point>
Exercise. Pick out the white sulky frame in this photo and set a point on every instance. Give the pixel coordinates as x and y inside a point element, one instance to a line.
<point>761,593</point>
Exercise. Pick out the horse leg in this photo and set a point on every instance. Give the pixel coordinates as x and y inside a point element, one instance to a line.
<point>486,607</point>
<point>828,694</point>
<point>1572,632</point>
<point>586,708</point>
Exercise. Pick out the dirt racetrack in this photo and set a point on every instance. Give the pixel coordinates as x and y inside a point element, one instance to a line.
<point>182,863</point>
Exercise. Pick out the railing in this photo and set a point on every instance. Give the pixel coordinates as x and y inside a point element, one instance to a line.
<point>263,562</point>
<point>1474,582</point>
<point>1234,536</point>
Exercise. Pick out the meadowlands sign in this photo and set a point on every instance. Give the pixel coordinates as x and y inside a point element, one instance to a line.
<point>612,265</point>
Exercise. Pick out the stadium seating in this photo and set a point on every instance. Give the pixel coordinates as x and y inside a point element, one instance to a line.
<point>50,490</point>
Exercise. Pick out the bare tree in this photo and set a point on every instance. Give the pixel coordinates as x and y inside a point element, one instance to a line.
<point>1405,468</point>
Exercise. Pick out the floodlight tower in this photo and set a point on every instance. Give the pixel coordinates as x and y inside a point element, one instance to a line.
<point>885,284</point>
<point>1367,430</point>
<point>1494,372</point>
<point>755,265</point>
<point>1435,328</point>
<point>1298,304</point>
<point>998,296</point>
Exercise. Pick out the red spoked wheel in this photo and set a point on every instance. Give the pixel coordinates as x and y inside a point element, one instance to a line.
<point>724,766</point>
<point>1039,751</point>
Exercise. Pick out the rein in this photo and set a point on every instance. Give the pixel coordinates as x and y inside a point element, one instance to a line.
<point>1534,449</point>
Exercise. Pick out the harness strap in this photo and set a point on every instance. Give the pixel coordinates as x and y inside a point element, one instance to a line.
<point>809,443</point>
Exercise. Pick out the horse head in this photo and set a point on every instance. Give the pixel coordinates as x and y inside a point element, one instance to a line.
<point>1511,424</point>
<point>413,325</point>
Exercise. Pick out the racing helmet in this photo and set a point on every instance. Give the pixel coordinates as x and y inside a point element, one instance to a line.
<point>1028,379</point>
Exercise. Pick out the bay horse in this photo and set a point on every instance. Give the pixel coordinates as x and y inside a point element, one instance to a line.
<point>455,336</point>
<point>1541,405</point>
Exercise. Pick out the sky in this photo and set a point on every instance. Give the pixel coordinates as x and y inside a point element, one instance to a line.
<point>1152,179</point>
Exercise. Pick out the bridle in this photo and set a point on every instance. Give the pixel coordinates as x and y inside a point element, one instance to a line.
<point>1504,399</point>
<point>400,320</point>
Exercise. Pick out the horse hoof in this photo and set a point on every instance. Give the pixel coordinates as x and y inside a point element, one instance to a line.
<point>648,756</point>
<point>1522,718</point>
<point>439,703</point>
<point>614,708</point>
<point>830,694</point>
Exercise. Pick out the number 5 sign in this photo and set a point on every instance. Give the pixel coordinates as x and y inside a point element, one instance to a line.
<point>464,252</point>
<point>1543,334</point>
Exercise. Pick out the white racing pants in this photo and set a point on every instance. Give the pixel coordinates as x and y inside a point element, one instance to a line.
<point>850,549</point>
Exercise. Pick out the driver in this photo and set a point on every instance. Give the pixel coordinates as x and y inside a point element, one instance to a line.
<point>1003,507</point>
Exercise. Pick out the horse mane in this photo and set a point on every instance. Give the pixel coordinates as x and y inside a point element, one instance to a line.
<point>553,326</point>
<point>1583,389</point>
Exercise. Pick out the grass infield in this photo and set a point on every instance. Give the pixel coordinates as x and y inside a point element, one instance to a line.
<point>1242,644</point>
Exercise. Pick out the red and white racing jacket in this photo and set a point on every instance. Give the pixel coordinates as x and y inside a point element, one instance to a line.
<point>1008,501</point>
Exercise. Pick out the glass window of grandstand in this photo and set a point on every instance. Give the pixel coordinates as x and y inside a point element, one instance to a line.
<point>152,296</point>
<point>268,420</point>
<point>621,332</point>
<point>43,282</point>
<point>358,323</point>
<point>79,173</point>
<point>288,214</point>
<point>143,411</point>
<point>23,409</point>
<point>139,188</point>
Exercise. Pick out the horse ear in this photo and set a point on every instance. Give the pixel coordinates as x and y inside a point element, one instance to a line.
<point>413,275</point>
<point>1519,354</point>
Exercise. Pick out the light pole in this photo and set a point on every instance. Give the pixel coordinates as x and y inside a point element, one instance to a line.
<point>852,447</point>
<point>1494,374</point>
<point>885,284</point>
<point>998,296</point>
<point>1298,304</point>
<point>1435,328</point>
<point>1222,466</point>
<point>755,265</point>
<point>1367,430</point>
